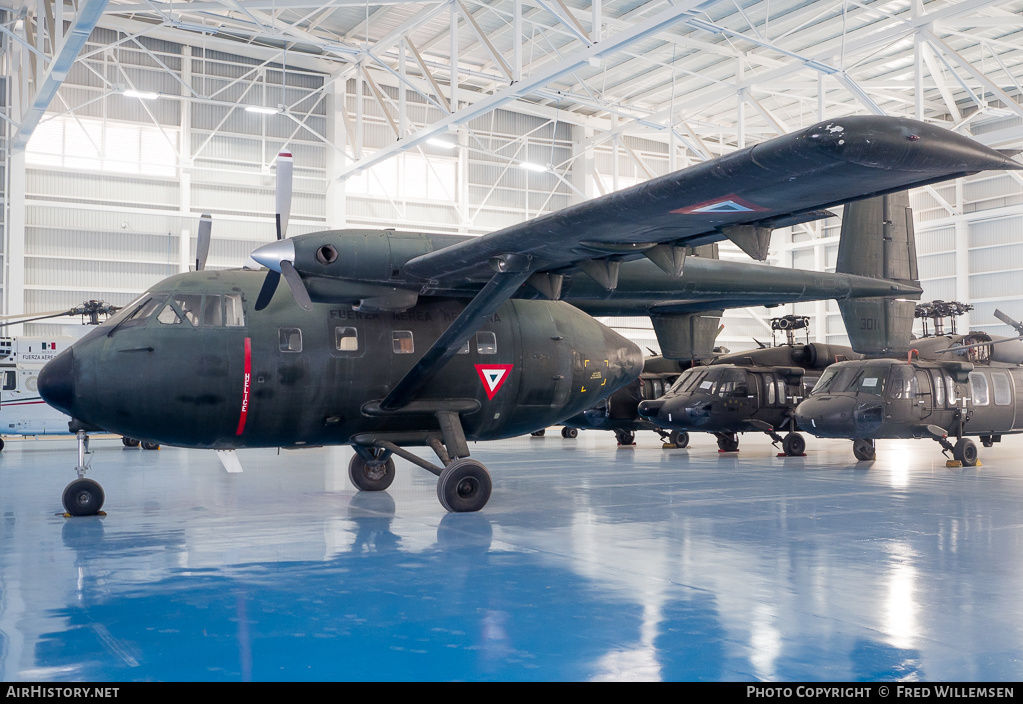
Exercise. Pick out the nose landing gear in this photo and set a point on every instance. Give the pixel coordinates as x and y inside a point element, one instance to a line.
<point>83,497</point>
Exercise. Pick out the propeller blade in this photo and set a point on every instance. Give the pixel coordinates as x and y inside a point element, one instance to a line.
<point>285,166</point>
<point>202,243</point>
<point>268,290</point>
<point>291,275</point>
<point>1009,321</point>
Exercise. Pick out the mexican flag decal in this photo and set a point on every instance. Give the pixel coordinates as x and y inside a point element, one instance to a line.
<point>493,376</point>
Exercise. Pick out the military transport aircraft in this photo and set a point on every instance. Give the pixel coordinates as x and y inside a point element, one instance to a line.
<point>947,386</point>
<point>404,339</point>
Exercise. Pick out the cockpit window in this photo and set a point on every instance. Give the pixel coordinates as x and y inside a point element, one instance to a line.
<point>733,383</point>
<point>903,382</point>
<point>687,381</point>
<point>860,379</point>
<point>182,307</point>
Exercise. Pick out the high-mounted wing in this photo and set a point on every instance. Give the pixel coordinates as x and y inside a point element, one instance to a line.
<point>741,197</point>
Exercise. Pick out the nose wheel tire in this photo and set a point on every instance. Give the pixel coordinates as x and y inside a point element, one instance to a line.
<point>464,486</point>
<point>728,442</point>
<point>864,450</point>
<point>570,432</point>
<point>679,438</point>
<point>793,445</point>
<point>83,497</point>
<point>370,477</point>
<point>966,452</point>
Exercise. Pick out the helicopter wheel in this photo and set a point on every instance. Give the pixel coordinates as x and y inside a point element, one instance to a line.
<point>728,442</point>
<point>539,433</point>
<point>83,497</point>
<point>966,452</point>
<point>679,438</point>
<point>370,477</point>
<point>863,449</point>
<point>1,445</point>
<point>570,432</point>
<point>146,445</point>
<point>794,445</point>
<point>464,486</point>
<point>129,442</point>
<point>625,437</point>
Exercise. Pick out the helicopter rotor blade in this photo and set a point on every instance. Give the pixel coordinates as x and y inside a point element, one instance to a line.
<point>285,169</point>
<point>202,243</point>
<point>959,348</point>
<point>1009,321</point>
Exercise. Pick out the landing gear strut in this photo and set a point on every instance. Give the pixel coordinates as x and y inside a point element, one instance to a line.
<point>83,497</point>
<point>463,484</point>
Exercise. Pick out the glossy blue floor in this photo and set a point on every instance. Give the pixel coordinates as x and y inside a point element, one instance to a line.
<point>589,563</point>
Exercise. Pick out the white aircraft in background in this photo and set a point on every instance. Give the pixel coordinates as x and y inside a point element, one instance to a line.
<point>22,411</point>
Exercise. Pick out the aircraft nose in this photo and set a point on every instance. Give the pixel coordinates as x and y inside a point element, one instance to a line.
<point>833,417</point>
<point>650,409</point>
<point>56,381</point>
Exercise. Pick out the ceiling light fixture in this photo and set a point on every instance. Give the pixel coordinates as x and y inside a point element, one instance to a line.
<point>530,166</point>
<point>261,110</point>
<point>438,142</point>
<point>142,95</point>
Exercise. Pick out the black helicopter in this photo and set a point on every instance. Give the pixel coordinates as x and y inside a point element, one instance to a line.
<point>947,386</point>
<point>750,391</point>
<point>402,339</point>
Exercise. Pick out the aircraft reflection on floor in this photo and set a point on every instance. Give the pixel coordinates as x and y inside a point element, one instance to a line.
<point>702,567</point>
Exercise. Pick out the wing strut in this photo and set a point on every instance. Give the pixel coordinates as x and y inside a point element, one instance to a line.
<point>496,292</point>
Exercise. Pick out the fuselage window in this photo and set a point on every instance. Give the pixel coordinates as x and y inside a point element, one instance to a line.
<point>939,391</point>
<point>10,381</point>
<point>1003,392</point>
<point>950,385</point>
<point>346,339</point>
<point>234,316</point>
<point>978,389</point>
<point>769,386</point>
<point>290,339</point>
<point>465,348</point>
<point>402,342</point>
<point>658,388</point>
<point>486,343</point>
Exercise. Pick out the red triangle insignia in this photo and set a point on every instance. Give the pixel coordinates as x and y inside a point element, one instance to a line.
<point>493,376</point>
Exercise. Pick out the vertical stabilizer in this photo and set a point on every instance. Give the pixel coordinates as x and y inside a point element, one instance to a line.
<point>878,241</point>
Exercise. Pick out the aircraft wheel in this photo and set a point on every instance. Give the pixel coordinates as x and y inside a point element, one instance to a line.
<point>625,437</point>
<point>464,486</point>
<point>539,433</point>
<point>370,477</point>
<point>728,442</point>
<point>570,432</point>
<point>678,438</point>
<point>793,444</point>
<point>863,449</point>
<point>1,445</point>
<point>966,452</point>
<point>83,497</point>
<point>146,445</point>
<point>129,442</point>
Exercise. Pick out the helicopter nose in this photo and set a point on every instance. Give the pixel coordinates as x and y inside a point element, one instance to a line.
<point>839,417</point>
<point>650,409</point>
<point>56,383</point>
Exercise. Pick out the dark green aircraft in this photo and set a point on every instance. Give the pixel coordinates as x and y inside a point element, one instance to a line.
<point>406,339</point>
<point>948,386</point>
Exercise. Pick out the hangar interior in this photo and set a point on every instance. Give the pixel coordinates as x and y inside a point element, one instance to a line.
<point>124,120</point>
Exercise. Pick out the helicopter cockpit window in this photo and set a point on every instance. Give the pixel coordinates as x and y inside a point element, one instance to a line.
<point>687,382</point>
<point>181,306</point>
<point>868,379</point>
<point>978,389</point>
<point>903,383</point>
<point>733,383</point>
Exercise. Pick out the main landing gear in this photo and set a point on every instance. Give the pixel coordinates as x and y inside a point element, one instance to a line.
<point>727,442</point>
<point>463,484</point>
<point>83,497</point>
<point>673,440</point>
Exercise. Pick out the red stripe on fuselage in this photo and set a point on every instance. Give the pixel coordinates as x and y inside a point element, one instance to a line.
<point>246,386</point>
